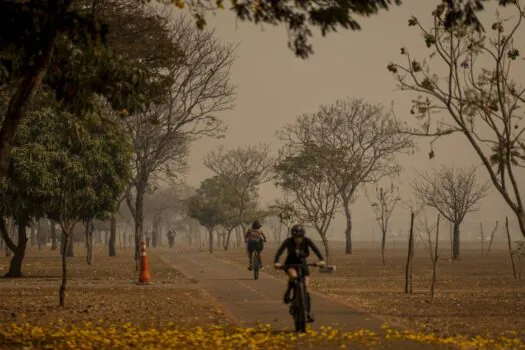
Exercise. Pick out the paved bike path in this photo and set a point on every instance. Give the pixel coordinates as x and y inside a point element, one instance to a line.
<point>252,301</point>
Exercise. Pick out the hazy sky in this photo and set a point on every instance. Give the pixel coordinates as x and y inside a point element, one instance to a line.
<point>275,87</point>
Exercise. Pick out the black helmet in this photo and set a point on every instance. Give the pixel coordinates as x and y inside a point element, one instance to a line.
<point>297,230</point>
<point>256,225</point>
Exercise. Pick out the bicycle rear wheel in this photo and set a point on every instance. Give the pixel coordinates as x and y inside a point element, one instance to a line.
<point>300,308</point>
<point>256,265</point>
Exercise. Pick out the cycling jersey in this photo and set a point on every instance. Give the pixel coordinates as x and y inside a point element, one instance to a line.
<point>297,254</point>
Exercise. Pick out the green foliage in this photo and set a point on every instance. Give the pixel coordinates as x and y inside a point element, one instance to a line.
<point>87,58</point>
<point>299,168</point>
<point>207,205</point>
<point>217,203</point>
<point>64,166</point>
<point>315,194</point>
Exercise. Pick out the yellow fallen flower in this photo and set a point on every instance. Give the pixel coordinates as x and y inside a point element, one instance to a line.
<point>127,336</point>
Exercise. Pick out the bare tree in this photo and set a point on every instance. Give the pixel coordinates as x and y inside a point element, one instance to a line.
<point>477,94</point>
<point>433,248</point>
<point>315,195</point>
<point>410,256</point>
<point>356,143</point>
<point>243,169</point>
<point>383,206</point>
<point>454,192</point>
<point>200,87</point>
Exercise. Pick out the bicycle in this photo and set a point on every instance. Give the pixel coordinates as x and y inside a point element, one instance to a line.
<point>256,262</point>
<point>298,307</point>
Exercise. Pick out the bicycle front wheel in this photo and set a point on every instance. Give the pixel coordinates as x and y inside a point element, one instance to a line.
<point>300,308</point>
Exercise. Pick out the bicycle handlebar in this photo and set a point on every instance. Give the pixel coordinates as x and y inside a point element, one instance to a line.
<point>282,267</point>
<point>322,268</point>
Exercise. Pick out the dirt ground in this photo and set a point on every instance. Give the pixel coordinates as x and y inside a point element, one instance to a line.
<point>104,292</point>
<point>477,295</point>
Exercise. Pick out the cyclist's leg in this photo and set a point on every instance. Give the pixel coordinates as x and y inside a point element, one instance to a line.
<point>292,277</point>
<point>250,254</point>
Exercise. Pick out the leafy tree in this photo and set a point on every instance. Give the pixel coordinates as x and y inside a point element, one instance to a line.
<point>354,143</point>
<point>93,173</point>
<point>66,169</point>
<point>231,207</point>
<point>243,170</point>
<point>207,206</point>
<point>315,195</point>
<point>61,44</point>
<point>454,192</point>
<point>476,92</point>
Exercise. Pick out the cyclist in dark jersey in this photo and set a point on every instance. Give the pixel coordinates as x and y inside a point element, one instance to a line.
<point>298,249</point>
<point>255,239</point>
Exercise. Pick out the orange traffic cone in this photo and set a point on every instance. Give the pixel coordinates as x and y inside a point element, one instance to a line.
<point>144,276</point>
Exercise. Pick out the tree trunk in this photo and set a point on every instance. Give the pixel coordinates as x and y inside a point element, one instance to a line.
<point>210,240</point>
<point>30,82</point>
<point>5,231</point>
<point>451,234</point>
<point>383,245</point>
<point>15,266</point>
<point>62,244</point>
<point>521,221</point>
<point>455,240</point>
<point>62,290</point>
<point>348,230</point>
<point>325,244</point>
<point>113,236</point>
<point>228,236</point>
<point>89,242</point>
<point>509,242</point>
<point>410,255</point>
<point>70,246</point>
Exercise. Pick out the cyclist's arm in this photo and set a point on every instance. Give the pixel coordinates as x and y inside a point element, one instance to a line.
<point>246,235</point>
<point>263,235</point>
<point>315,249</point>
<point>279,252</point>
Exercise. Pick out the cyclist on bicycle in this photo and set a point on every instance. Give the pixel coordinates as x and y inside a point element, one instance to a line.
<point>298,249</point>
<point>254,238</point>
